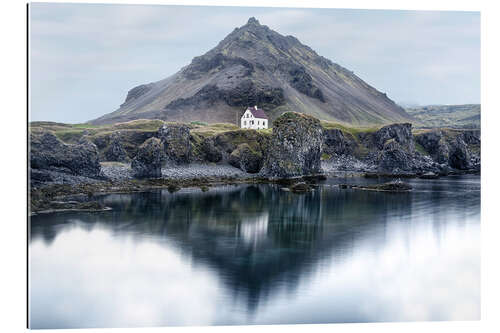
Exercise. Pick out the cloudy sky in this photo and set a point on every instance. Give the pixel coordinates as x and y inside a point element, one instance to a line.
<point>85,57</point>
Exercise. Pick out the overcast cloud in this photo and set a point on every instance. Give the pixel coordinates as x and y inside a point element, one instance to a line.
<point>85,57</point>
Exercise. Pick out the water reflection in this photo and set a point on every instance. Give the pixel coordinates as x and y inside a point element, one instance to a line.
<point>257,254</point>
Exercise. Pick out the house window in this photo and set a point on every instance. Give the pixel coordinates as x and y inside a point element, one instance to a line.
<point>258,122</point>
<point>244,123</point>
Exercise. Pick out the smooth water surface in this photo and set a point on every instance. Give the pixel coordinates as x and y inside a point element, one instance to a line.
<point>255,254</point>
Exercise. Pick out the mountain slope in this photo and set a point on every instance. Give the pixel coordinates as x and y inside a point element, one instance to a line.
<point>255,65</point>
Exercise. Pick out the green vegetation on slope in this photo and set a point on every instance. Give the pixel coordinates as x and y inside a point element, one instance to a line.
<point>456,116</point>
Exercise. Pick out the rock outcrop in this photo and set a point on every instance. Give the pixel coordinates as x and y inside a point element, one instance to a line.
<point>336,142</point>
<point>451,149</point>
<point>176,141</point>
<point>219,147</point>
<point>246,159</point>
<point>399,133</point>
<point>115,150</point>
<point>47,152</point>
<point>296,146</point>
<point>394,158</point>
<point>435,144</point>
<point>459,157</point>
<point>210,151</point>
<point>149,159</point>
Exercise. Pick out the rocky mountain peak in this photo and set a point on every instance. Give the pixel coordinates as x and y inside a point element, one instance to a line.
<point>255,65</point>
<point>253,20</point>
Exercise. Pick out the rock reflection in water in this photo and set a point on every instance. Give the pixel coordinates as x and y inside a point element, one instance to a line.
<point>261,242</point>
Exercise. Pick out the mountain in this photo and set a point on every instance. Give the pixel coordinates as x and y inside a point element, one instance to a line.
<point>457,116</point>
<point>255,65</point>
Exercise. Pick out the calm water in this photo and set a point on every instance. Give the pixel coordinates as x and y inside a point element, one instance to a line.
<point>258,255</point>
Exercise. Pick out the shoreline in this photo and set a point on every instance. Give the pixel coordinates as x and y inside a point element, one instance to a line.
<point>80,194</point>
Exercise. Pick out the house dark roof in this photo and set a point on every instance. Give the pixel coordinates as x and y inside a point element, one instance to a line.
<point>258,113</point>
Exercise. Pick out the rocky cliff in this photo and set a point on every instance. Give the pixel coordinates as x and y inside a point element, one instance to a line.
<point>50,156</point>
<point>296,146</point>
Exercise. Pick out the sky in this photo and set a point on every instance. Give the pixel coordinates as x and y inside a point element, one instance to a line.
<point>84,58</point>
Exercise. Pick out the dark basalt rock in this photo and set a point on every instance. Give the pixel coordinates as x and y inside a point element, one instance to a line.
<point>450,151</point>
<point>115,150</point>
<point>459,155</point>
<point>394,159</point>
<point>208,95</point>
<point>249,93</point>
<point>137,92</point>
<point>225,143</point>
<point>209,151</point>
<point>434,143</point>
<point>244,94</point>
<point>394,186</point>
<point>429,175</point>
<point>337,142</point>
<point>244,158</point>
<point>48,152</point>
<point>204,64</point>
<point>176,141</point>
<point>301,80</point>
<point>471,137</point>
<point>400,133</point>
<point>297,143</point>
<point>300,188</point>
<point>149,159</point>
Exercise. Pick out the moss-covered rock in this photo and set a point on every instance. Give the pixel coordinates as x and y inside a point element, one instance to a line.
<point>459,157</point>
<point>210,152</point>
<point>296,146</point>
<point>149,159</point>
<point>393,158</point>
<point>337,142</point>
<point>49,153</point>
<point>246,159</point>
<point>115,151</point>
<point>176,141</point>
<point>228,141</point>
<point>399,133</point>
<point>300,187</point>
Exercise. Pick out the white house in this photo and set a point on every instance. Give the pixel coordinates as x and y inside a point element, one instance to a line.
<point>254,118</point>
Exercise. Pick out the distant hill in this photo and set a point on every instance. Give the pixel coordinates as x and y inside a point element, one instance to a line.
<point>255,65</point>
<point>457,116</point>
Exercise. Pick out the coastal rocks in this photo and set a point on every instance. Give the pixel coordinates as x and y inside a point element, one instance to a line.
<point>471,137</point>
<point>49,153</point>
<point>176,141</point>
<point>459,155</point>
<point>394,186</point>
<point>209,151</point>
<point>394,158</point>
<point>246,159</point>
<point>220,146</point>
<point>115,151</point>
<point>296,146</point>
<point>435,144</point>
<point>449,149</point>
<point>399,133</point>
<point>429,175</point>
<point>336,142</point>
<point>128,139</point>
<point>300,188</point>
<point>149,159</point>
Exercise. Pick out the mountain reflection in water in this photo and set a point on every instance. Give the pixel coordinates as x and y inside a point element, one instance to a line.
<point>256,254</point>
